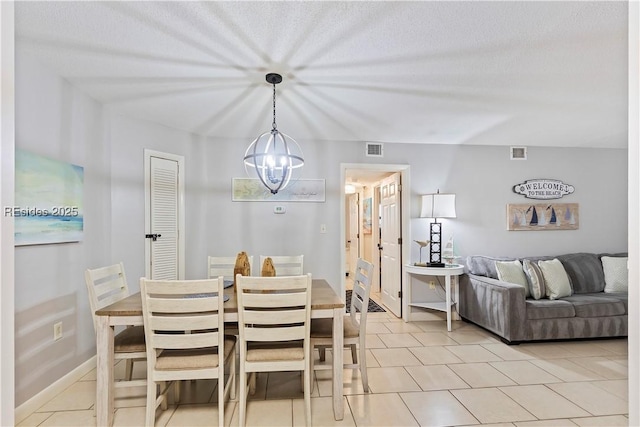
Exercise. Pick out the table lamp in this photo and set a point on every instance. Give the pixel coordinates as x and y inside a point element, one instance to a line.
<point>437,205</point>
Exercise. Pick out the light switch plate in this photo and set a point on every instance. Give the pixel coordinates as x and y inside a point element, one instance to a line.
<point>279,210</point>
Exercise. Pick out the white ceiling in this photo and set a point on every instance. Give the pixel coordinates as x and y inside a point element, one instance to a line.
<point>491,73</point>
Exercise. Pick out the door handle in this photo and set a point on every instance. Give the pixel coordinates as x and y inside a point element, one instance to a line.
<point>153,237</point>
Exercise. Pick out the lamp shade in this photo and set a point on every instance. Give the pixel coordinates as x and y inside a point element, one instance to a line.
<point>438,205</point>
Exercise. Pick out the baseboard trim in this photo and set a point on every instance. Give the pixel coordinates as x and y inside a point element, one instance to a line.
<point>32,405</point>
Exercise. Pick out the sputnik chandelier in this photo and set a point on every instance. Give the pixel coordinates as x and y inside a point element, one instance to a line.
<point>273,156</point>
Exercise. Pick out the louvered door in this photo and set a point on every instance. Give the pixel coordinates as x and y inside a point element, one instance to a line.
<point>164,219</point>
<point>164,222</point>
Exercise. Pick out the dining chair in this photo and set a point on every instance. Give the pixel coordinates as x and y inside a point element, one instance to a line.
<point>106,285</point>
<point>222,266</point>
<point>184,327</point>
<point>355,325</point>
<point>286,265</point>
<point>274,319</point>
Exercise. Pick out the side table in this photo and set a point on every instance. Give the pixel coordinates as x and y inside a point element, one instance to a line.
<point>448,272</point>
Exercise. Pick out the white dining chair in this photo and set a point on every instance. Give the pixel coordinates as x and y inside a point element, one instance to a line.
<point>106,285</point>
<point>274,319</point>
<point>222,266</point>
<point>355,325</point>
<point>285,265</point>
<point>184,327</point>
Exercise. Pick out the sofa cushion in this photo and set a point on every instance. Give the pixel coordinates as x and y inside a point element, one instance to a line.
<point>585,272</point>
<point>623,297</point>
<point>535,279</point>
<point>481,265</point>
<point>511,271</point>
<point>616,278</point>
<point>555,279</point>
<point>590,305</point>
<point>549,309</point>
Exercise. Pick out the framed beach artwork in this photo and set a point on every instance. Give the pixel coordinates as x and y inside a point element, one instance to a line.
<point>543,216</point>
<point>302,190</point>
<point>366,216</point>
<point>48,200</point>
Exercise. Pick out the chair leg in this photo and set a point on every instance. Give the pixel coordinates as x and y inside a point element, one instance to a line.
<point>363,367</point>
<point>354,353</point>
<point>234,382</point>
<point>221,387</point>
<point>176,391</point>
<point>242,410</point>
<point>322,350</point>
<point>307,395</point>
<point>252,383</point>
<point>150,417</point>
<point>129,370</point>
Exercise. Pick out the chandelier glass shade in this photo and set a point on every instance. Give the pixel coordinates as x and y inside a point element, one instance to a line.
<point>274,157</point>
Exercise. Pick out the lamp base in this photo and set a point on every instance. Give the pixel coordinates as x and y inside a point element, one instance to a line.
<point>436,264</point>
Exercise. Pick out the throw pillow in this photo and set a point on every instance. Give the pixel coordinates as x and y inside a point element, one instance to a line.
<point>511,271</point>
<point>616,278</point>
<point>535,279</point>
<point>555,279</point>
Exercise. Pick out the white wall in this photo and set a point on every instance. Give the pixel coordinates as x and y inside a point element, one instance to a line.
<point>56,120</point>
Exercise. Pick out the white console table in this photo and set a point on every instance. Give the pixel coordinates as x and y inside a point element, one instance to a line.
<point>448,272</point>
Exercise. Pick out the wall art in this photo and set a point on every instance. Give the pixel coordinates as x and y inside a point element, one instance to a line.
<point>48,200</point>
<point>543,189</point>
<point>302,190</point>
<point>543,216</point>
<point>366,216</point>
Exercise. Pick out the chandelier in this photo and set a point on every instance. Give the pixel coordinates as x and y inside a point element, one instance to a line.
<point>273,156</point>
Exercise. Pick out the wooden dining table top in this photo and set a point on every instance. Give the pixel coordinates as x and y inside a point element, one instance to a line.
<point>323,297</point>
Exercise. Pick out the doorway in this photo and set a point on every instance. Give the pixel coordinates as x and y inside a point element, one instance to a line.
<point>164,215</point>
<point>367,181</point>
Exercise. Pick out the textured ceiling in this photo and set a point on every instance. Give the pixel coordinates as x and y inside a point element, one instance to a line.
<point>492,73</point>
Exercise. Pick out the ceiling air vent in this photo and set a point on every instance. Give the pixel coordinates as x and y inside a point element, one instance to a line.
<point>374,149</point>
<point>518,153</point>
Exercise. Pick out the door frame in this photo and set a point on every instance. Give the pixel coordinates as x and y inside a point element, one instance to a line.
<point>404,171</point>
<point>148,154</point>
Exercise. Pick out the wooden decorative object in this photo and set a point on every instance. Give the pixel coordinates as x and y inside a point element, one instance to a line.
<point>242,267</point>
<point>268,269</point>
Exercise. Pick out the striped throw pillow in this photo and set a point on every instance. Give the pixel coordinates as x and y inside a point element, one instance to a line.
<point>534,279</point>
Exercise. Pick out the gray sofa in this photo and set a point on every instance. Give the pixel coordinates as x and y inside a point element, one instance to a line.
<point>502,308</point>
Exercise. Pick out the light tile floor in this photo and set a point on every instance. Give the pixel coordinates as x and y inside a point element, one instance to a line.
<point>419,374</point>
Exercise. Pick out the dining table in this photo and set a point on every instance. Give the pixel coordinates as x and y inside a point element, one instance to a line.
<point>325,303</point>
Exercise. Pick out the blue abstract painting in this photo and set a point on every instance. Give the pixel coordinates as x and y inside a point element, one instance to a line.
<point>48,200</point>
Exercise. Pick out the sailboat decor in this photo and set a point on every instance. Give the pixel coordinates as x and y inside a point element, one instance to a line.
<point>542,216</point>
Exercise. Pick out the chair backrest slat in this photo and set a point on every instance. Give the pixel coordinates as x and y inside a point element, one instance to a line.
<point>274,300</point>
<point>278,317</point>
<point>361,293</point>
<point>294,333</point>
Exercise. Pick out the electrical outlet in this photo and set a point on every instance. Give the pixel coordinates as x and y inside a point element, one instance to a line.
<point>432,285</point>
<point>57,331</point>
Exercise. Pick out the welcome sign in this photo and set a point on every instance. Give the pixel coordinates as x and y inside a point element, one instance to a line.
<point>543,189</point>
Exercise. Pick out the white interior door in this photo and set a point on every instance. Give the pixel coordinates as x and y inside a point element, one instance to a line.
<point>391,262</point>
<point>164,222</point>
<point>353,240</point>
